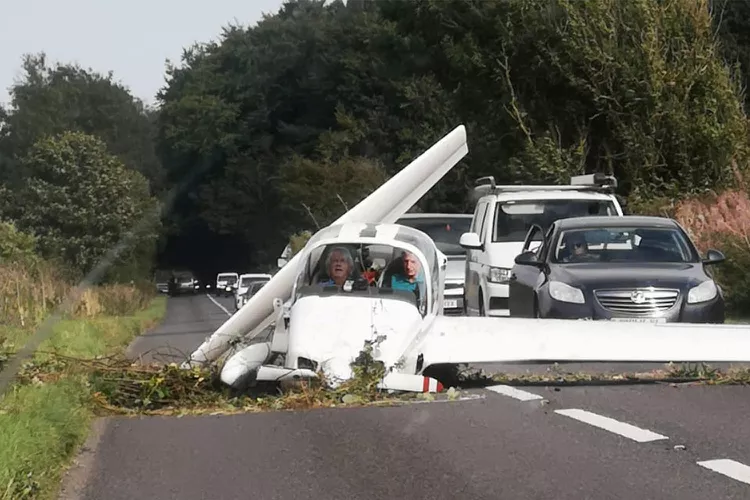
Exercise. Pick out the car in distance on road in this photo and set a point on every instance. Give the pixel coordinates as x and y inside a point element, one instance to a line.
<point>224,283</point>
<point>251,290</point>
<point>183,282</point>
<point>622,268</point>
<point>446,230</point>
<point>244,283</point>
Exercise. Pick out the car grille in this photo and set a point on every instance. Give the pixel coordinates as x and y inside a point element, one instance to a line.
<point>638,301</point>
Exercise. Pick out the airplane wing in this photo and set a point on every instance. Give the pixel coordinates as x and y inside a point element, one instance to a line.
<point>456,340</point>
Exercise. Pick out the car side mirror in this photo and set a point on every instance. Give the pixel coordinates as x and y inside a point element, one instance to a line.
<point>714,257</point>
<point>470,241</point>
<point>528,258</point>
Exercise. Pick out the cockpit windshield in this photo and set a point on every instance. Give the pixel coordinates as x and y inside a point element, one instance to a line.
<point>364,270</point>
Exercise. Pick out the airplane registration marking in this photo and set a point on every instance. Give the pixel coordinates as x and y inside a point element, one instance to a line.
<point>609,424</point>
<point>729,468</point>
<point>507,390</point>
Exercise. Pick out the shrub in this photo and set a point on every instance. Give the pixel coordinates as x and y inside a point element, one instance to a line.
<point>723,222</point>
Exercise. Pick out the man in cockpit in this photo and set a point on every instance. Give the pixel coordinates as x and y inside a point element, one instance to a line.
<point>410,277</point>
<point>339,265</point>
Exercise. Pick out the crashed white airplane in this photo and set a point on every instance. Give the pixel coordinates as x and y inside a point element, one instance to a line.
<point>325,309</point>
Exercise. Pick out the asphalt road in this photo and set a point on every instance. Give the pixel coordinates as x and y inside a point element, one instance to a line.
<point>621,442</point>
<point>188,321</point>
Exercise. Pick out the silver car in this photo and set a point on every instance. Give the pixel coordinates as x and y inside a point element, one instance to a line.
<point>445,230</point>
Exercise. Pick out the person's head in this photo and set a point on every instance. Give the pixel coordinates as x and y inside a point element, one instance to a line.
<point>411,265</point>
<point>577,244</point>
<point>339,264</point>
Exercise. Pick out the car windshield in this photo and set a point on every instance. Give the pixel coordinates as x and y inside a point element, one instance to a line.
<point>514,219</point>
<point>364,270</point>
<point>618,244</point>
<point>248,280</point>
<point>227,278</point>
<point>444,231</point>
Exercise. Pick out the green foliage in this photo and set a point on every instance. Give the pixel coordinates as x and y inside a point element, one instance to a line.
<point>298,241</point>
<point>81,202</point>
<point>15,245</point>
<point>52,99</point>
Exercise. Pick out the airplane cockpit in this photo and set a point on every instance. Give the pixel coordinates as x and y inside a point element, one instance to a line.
<point>370,269</point>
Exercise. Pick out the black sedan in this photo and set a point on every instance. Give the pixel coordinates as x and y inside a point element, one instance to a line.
<point>623,268</point>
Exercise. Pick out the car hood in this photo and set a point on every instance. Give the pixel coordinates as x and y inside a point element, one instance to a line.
<point>615,275</point>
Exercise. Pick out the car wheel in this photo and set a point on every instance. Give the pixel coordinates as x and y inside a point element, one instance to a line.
<point>481,303</point>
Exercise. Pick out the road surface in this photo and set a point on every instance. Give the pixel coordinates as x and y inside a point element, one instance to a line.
<point>617,442</point>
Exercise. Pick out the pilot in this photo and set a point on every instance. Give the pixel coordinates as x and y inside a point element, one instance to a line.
<point>410,278</point>
<point>339,264</point>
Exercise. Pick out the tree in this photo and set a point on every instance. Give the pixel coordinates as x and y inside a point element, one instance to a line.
<point>52,99</point>
<point>81,202</point>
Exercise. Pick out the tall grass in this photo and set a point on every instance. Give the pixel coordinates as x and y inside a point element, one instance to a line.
<point>29,291</point>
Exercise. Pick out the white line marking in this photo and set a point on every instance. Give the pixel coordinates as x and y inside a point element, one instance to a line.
<point>507,390</point>
<point>730,468</point>
<point>219,305</point>
<point>612,425</point>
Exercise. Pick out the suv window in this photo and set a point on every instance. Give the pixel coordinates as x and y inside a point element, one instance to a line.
<point>513,219</point>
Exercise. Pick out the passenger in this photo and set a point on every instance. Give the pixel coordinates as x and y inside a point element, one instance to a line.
<point>339,265</point>
<point>410,278</point>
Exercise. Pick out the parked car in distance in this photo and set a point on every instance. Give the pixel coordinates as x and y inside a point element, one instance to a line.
<point>224,282</point>
<point>446,230</point>
<point>241,286</point>
<point>251,290</point>
<point>183,282</point>
<point>622,268</point>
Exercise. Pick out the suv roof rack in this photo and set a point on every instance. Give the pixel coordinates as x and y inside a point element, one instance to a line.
<point>597,182</point>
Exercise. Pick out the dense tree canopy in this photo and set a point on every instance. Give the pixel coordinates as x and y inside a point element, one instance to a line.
<point>81,203</point>
<point>51,99</point>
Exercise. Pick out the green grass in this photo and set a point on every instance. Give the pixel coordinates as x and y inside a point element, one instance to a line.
<point>42,424</point>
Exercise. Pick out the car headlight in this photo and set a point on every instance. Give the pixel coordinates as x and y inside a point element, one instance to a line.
<point>566,293</point>
<point>228,289</point>
<point>702,293</point>
<point>499,275</point>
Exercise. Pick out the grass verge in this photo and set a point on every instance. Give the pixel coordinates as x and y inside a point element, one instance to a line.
<point>46,416</point>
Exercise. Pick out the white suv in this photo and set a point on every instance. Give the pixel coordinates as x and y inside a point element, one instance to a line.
<point>502,218</point>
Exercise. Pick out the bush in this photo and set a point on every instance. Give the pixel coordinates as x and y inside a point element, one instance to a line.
<point>723,222</point>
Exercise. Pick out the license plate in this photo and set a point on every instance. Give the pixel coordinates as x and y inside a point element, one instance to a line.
<point>640,320</point>
<point>450,304</point>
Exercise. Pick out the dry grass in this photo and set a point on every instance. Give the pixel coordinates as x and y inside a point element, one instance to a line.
<point>716,220</point>
<point>30,291</point>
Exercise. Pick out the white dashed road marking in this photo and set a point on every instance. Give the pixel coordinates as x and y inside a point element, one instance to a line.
<point>507,390</point>
<point>612,425</point>
<point>730,468</point>
<point>219,305</point>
